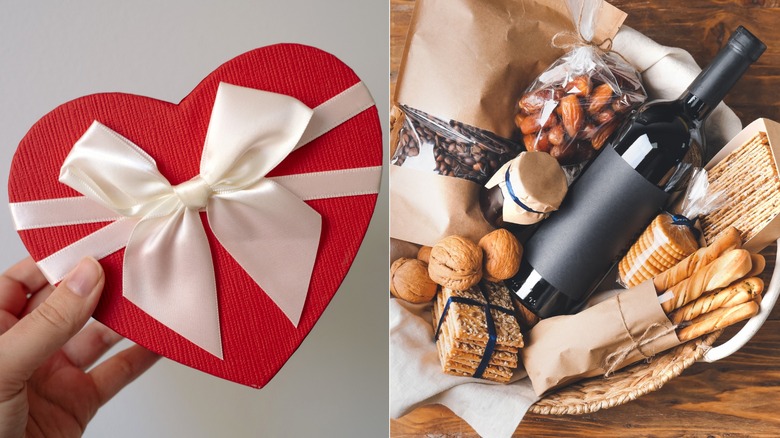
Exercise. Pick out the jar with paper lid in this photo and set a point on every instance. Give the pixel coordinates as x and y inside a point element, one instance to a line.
<point>524,191</point>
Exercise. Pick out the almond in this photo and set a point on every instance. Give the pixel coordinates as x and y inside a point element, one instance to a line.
<point>530,124</point>
<point>604,117</point>
<point>542,143</point>
<point>602,135</point>
<point>587,132</point>
<point>621,104</point>
<point>534,142</point>
<point>579,86</point>
<point>551,121</point>
<point>519,117</point>
<point>571,114</point>
<point>532,102</point>
<point>559,152</point>
<point>600,97</point>
<point>529,140</point>
<point>555,136</point>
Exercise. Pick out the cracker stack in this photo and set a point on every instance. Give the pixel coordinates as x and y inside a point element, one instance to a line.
<point>748,175</point>
<point>464,332</point>
<point>661,246</point>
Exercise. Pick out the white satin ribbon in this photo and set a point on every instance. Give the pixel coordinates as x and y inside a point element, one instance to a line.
<point>262,222</point>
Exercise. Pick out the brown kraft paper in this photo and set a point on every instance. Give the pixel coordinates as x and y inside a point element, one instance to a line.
<point>564,349</point>
<point>426,207</point>
<point>400,248</point>
<point>771,231</point>
<point>470,60</point>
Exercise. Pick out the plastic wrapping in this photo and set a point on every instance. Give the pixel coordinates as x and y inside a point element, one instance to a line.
<point>574,106</point>
<point>450,148</point>
<point>670,237</point>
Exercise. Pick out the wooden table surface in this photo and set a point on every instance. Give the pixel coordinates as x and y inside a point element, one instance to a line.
<point>737,396</point>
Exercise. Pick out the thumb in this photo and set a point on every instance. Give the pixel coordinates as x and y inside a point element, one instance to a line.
<point>40,334</point>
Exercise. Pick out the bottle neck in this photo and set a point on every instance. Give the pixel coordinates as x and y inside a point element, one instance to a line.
<point>714,82</point>
<point>697,109</point>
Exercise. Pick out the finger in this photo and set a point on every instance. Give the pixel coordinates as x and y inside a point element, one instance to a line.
<point>7,320</point>
<point>13,295</point>
<point>37,299</point>
<point>27,273</point>
<point>89,344</point>
<point>121,369</point>
<point>38,335</point>
<point>17,283</point>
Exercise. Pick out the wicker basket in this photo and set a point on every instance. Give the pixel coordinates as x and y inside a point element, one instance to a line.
<point>596,393</point>
<point>628,384</point>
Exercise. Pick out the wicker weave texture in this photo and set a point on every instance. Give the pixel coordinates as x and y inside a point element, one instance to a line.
<point>625,385</point>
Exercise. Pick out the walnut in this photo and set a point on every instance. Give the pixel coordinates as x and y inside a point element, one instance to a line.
<point>409,281</point>
<point>424,253</point>
<point>502,255</point>
<point>455,262</point>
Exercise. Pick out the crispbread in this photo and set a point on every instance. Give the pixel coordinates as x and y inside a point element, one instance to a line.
<point>677,238</point>
<point>467,322</point>
<point>490,373</point>
<point>748,175</point>
<point>463,336</point>
<point>662,245</point>
<point>645,247</point>
<point>472,353</point>
<point>504,356</point>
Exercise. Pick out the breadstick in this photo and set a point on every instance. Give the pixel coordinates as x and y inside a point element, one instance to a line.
<point>759,263</point>
<point>717,320</point>
<point>726,269</point>
<point>729,239</point>
<point>737,293</point>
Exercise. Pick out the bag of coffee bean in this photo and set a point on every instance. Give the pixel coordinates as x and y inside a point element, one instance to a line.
<point>573,107</point>
<point>450,148</point>
<point>464,67</point>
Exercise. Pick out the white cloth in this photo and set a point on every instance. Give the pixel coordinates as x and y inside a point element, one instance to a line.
<point>416,379</point>
<point>495,410</point>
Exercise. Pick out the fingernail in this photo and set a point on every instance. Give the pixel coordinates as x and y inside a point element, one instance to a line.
<point>83,278</point>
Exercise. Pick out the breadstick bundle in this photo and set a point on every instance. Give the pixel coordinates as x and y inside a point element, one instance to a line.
<point>714,287</point>
<point>670,237</point>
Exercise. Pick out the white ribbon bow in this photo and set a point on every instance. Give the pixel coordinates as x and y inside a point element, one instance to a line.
<point>271,233</point>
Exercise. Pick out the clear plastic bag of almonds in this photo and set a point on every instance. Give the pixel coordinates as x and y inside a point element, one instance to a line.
<point>671,237</point>
<point>450,148</point>
<point>578,102</point>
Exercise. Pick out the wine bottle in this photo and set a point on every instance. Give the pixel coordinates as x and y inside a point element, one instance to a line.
<point>649,158</point>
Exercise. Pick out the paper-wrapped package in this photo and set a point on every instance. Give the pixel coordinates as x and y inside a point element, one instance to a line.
<point>628,327</point>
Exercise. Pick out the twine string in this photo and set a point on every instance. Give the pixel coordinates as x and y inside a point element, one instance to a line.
<point>616,358</point>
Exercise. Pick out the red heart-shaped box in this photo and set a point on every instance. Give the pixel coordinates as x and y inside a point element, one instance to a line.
<point>257,337</point>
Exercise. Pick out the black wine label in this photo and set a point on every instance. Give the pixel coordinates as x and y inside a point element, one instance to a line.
<point>604,210</point>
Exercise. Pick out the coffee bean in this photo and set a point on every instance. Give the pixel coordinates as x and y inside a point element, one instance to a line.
<point>459,150</point>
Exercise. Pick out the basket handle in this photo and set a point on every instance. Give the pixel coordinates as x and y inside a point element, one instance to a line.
<point>746,333</point>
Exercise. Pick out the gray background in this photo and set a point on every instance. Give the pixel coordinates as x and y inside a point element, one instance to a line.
<point>336,383</point>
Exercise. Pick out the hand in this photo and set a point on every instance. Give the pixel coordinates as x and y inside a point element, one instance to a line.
<point>45,389</point>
